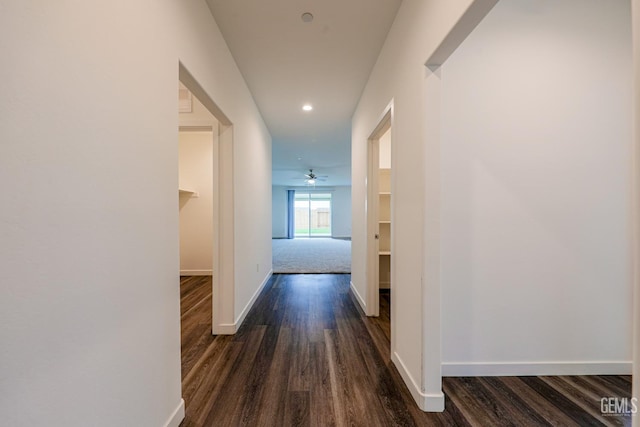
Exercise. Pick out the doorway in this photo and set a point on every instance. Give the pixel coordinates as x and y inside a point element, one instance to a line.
<point>195,190</point>
<point>202,118</point>
<point>197,153</point>
<point>380,216</point>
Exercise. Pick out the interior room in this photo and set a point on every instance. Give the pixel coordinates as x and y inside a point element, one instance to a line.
<point>311,228</point>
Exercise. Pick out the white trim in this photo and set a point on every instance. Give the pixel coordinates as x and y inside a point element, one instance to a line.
<point>196,272</point>
<point>431,319</point>
<point>431,375</point>
<point>426,402</point>
<point>358,297</point>
<point>232,328</point>
<point>504,369</point>
<point>177,416</point>
<point>253,299</point>
<point>226,329</point>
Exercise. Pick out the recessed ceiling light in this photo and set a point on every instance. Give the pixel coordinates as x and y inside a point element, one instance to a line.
<point>307,107</point>
<point>307,17</point>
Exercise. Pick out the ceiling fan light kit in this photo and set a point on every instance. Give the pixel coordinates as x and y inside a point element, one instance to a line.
<point>311,178</point>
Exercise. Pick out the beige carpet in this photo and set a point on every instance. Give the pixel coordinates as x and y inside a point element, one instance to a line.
<point>314,255</point>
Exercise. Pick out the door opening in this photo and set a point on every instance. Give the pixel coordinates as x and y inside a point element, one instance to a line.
<point>380,219</point>
<point>206,186</point>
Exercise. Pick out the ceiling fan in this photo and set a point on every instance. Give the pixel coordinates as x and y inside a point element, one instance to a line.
<point>311,178</point>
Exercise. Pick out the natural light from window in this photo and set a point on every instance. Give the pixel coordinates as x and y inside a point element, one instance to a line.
<point>312,214</point>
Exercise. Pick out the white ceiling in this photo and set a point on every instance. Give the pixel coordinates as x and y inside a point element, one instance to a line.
<point>287,63</point>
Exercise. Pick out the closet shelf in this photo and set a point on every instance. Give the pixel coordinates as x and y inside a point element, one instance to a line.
<point>190,193</point>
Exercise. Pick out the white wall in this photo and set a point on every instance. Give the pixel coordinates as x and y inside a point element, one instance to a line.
<point>251,151</point>
<point>536,140</point>
<point>398,76</point>
<point>340,209</point>
<point>195,154</point>
<point>89,317</point>
<point>279,216</point>
<point>385,150</point>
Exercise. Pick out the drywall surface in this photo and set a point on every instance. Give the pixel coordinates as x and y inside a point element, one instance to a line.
<point>385,150</point>
<point>341,212</point>
<point>398,76</point>
<point>251,151</point>
<point>195,154</point>
<point>536,142</point>
<point>89,317</point>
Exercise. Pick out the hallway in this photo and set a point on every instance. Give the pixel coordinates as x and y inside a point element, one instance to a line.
<point>306,355</point>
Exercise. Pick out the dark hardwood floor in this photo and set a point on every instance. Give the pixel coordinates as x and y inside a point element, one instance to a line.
<point>307,356</point>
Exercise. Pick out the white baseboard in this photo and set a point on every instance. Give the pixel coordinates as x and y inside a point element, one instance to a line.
<point>426,402</point>
<point>509,369</point>
<point>196,272</point>
<point>178,415</point>
<point>358,297</point>
<point>232,328</point>
<point>253,299</point>
<point>225,329</point>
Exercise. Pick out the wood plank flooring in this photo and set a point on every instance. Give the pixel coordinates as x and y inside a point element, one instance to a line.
<point>307,356</point>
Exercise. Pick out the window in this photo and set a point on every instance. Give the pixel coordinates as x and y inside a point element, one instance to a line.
<point>312,214</point>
